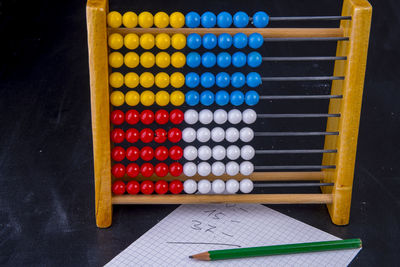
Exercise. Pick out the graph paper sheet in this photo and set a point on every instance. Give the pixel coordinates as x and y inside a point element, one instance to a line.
<point>192,229</point>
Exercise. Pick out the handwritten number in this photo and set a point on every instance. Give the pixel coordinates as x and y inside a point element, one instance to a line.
<point>211,227</point>
<point>196,225</point>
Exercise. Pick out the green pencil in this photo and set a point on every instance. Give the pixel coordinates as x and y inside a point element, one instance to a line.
<point>225,254</point>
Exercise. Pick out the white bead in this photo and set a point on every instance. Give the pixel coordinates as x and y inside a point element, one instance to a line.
<point>218,186</point>
<point>233,152</point>
<point>204,186</point>
<point>232,168</point>
<point>189,186</point>
<point>204,169</point>
<point>249,116</point>
<point>234,116</point>
<point>232,134</point>
<point>218,168</point>
<point>220,116</point>
<point>203,134</point>
<point>190,153</point>
<point>246,186</point>
<point>218,152</point>
<point>189,169</point>
<point>191,116</point>
<point>204,152</point>
<point>232,186</point>
<point>246,134</point>
<point>189,135</point>
<point>247,152</point>
<point>246,168</point>
<point>217,134</point>
<point>206,116</point>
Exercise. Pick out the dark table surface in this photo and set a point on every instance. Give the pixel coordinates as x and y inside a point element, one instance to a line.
<point>46,173</point>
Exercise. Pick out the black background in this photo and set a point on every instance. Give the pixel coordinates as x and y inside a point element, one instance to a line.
<point>46,184</point>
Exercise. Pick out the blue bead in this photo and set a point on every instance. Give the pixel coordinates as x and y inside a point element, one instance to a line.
<point>193,41</point>
<point>224,20</point>
<point>253,79</point>
<point>260,19</point>
<point>222,98</point>
<point>223,60</point>
<point>237,98</point>
<point>222,79</point>
<point>192,98</point>
<point>207,80</point>
<point>224,41</point>
<point>208,59</point>
<point>254,59</point>
<point>192,20</point>
<point>256,40</point>
<point>238,59</point>
<point>240,19</point>
<point>251,98</point>
<point>238,79</point>
<point>209,41</point>
<point>192,80</point>
<point>208,20</point>
<point>193,59</point>
<point>207,98</point>
<point>240,40</point>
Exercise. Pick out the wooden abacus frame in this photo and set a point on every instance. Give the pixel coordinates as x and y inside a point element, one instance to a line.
<point>337,197</point>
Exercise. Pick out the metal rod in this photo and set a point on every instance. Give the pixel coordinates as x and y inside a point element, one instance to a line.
<point>272,97</point>
<point>295,167</point>
<point>296,151</point>
<point>302,58</point>
<point>274,116</point>
<point>292,184</point>
<point>304,39</point>
<point>309,18</point>
<point>305,78</point>
<point>294,133</point>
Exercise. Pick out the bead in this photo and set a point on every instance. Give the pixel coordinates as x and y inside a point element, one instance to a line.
<point>204,186</point>
<point>132,98</point>
<point>191,116</point>
<point>147,98</point>
<point>175,187</point>
<point>247,152</point>
<point>240,19</point>
<point>208,20</point>
<point>223,79</point>
<point>232,168</point>
<point>207,98</point>
<point>118,170</point>
<point>131,80</point>
<point>161,20</point>
<point>255,40</point>
<point>251,98</point>
<point>161,153</point>
<point>177,98</point>
<point>233,152</point>
<point>232,186</point>
<point>189,135</point>
<point>220,116</point>
<point>225,40</point>
<point>223,61</point>
<point>132,116</point>
<point>249,116</point>
<point>132,170</point>
<point>240,40</point>
<point>174,135</point>
<point>218,186</point>
<point>203,134</point>
<point>115,41</point>
<point>234,116</point>
<point>218,152</point>
<point>178,41</point>
<point>205,116</point>
<point>237,98</point>
<point>115,59</point>
<point>232,134</point>
<point>147,169</point>
<point>192,80</point>
<point>118,153</point>
<point>253,79</point>
<point>178,60</point>
<point>176,116</point>
<point>189,169</point>
<point>208,59</point>
<point>260,19</point>
<point>117,98</point>
<point>160,136</point>
<point>161,170</point>
<point>204,169</point>
<point>147,60</point>
<point>114,19</point>
<point>175,153</point>
<point>224,19</point>
<point>194,41</point>
<point>246,134</point>
<point>207,80</point>
<point>192,20</point>
<point>146,153</point>
<point>204,153</point>
<point>177,20</point>
<point>217,134</point>
<point>146,79</point>
<point>117,136</point>
<point>161,187</point>
<point>246,168</point>
<point>132,153</point>
<point>131,41</point>
<point>117,117</point>
<point>209,41</point>
<point>147,41</point>
<point>238,79</point>
<point>133,187</point>
<point>175,169</point>
<point>222,98</point>
<point>218,169</point>
<point>254,59</point>
<point>147,116</point>
<point>163,60</point>
<point>189,186</point>
<point>118,188</point>
<point>246,186</point>
<point>177,80</point>
<point>163,41</point>
<point>239,59</point>
<point>190,153</point>
<point>116,79</point>
<point>145,19</point>
<point>146,135</point>
<point>192,98</point>
<point>147,187</point>
<point>162,80</point>
<point>193,59</point>
<point>132,135</point>
<point>130,19</point>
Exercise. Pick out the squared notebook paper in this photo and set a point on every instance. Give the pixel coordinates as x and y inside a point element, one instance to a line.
<point>191,229</point>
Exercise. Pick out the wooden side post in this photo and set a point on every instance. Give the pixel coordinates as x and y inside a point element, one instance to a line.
<point>96,12</point>
<point>357,29</point>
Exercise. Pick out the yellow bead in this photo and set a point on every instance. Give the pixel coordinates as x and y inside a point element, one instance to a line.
<point>162,80</point>
<point>131,80</point>
<point>161,20</point>
<point>145,19</point>
<point>178,60</point>
<point>131,60</point>
<point>163,41</point>
<point>162,98</point>
<point>147,98</point>
<point>115,41</point>
<point>177,98</point>
<point>130,19</point>
<point>131,41</point>
<point>146,79</point>
<point>147,59</point>
<point>147,41</point>
<point>132,98</point>
<point>115,59</point>
<point>116,79</point>
<point>177,80</point>
<point>177,20</point>
<point>114,19</point>
<point>117,98</point>
<point>163,60</point>
<point>178,41</point>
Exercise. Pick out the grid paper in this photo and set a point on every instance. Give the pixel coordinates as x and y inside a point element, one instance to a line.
<point>191,229</point>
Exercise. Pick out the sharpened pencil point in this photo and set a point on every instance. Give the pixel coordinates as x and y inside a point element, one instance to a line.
<point>191,257</point>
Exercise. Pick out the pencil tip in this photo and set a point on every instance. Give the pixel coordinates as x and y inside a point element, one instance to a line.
<point>191,257</point>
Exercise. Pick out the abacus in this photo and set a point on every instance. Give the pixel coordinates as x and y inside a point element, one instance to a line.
<point>205,104</point>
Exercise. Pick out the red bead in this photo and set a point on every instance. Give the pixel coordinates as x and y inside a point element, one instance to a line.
<point>161,187</point>
<point>174,135</point>
<point>161,169</point>
<point>118,153</point>
<point>132,116</point>
<point>117,117</point>
<point>162,116</point>
<point>132,135</point>
<point>117,135</point>
<point>133,187</point>
<point>147,169</point>
<point>132,153</point>
<point>160,136</point>
<point>175,169</point>
<point>118,187</point>
<point>132,170</point>
<point>147,153</point>
<point>147,187</point>
<point>146,135</point>
<point>175,152</point>
<point>118,170</point>
<point>161,153</point>
<point>147,116</point>
<point>176,116</point>
<point>175,187</point>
